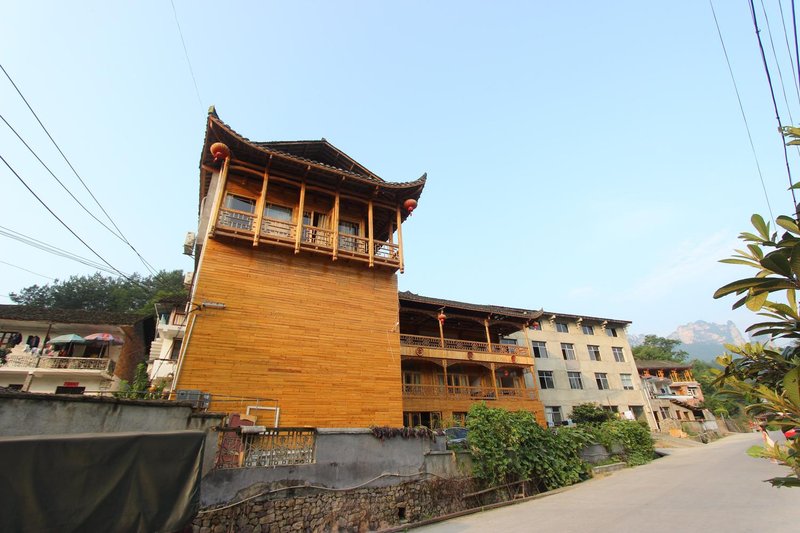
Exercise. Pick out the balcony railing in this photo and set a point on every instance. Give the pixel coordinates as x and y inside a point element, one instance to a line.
<point>236,220</point>
<point>60,363</point>
<point>311,237</point>
<point>453,392</point>
<point>463,346</point>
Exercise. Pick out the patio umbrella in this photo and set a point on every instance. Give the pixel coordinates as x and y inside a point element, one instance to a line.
<point>69,339</point>
<point>106,338</point>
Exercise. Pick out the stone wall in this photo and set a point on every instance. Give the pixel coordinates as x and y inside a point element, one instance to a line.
<point>314,509</point>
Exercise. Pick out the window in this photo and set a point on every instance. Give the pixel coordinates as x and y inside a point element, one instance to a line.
<point>562,327</point>
<point>627,382</point>
<point>568,350</point>
<point>664,411</point>
<point>240,203</point>
<point>594,352</point>
<point>460,418</point>
<point>278,212</point>
<point>546,379</point>
<point>508,340</point>
<point>536,326</point>
<point>588,330</point>
<point>176,349</point>
<point>611,332</point>
<point>70,390</point>
<point>575,380</point>
<point>619,357</point>
<point>539,349</point>
<point>429,419</point>
<point>693,391</point>
<point>553,416</point>
<point>412,382</point>
<point>602,380</point>
<point>347,233</point>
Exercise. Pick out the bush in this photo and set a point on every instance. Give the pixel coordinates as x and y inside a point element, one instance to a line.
<point>634,437</point>
<point>590,413</point>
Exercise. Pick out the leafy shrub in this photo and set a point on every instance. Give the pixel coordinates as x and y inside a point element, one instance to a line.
<point>634,437</point>
<point>512,446</point>
<point>590,413</point>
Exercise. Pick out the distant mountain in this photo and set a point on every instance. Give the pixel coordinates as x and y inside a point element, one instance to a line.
<point>705,340</point>
<point>635,340</point>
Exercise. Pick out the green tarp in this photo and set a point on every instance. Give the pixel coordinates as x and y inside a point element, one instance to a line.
<point>131,482</point>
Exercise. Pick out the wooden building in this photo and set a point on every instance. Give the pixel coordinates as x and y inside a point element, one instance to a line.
<point>454,354</point>
<point>294,299</point>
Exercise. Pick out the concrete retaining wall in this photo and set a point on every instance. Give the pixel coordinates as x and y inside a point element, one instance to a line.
<point>25,414</point>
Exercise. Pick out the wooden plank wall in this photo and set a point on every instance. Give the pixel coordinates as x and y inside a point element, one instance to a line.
<point>318,336</point>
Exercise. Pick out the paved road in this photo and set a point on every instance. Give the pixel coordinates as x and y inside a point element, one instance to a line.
<point>712,488</point>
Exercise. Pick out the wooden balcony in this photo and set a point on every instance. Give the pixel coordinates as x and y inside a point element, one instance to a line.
<point>81,365</point>
<point>315,239</point>
<point>470,393</point>
<point>420,346</point>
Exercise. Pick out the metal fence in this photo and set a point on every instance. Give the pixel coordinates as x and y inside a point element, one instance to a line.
<point>242,448</point>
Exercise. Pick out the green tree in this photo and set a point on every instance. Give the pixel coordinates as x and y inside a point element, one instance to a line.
<point>767,379</point>
<point>660,349</point>
<point>104,293</point>
<point>717,402</point>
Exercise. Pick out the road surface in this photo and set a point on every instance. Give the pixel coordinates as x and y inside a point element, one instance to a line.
<point>712,488</point>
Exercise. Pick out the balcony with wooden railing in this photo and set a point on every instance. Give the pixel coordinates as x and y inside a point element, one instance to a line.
<point>471,393</point>
<point>421,346</point>
<point>81,365</point>
<point>312,238</point>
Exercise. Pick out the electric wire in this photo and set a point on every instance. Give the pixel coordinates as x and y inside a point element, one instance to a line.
<point>49,248</point>
<point>58,180</point>
<point>789,51</point>
<point>122,235</point>
<point>29,271</point>
<point>741,108</point>
<point>777,63</point>
<point>796,48</point>
<point>186,54</point>
<point>774,102</point>
<point>44,204</point>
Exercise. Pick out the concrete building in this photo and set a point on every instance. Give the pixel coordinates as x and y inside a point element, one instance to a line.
<point>583,359</point>
<point>30,363</point>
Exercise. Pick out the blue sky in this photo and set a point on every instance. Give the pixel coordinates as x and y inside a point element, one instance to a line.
<point>583,157</point>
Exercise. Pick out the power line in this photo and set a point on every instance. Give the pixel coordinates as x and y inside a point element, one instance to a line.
<point>777,63</point>
<point>29,271</point>
<point>49,248</point>
<point>186,54</point>
<point>741,108</point>
<point>774,102</point>
<point>144,261</point>
<point>789,50</point>
<point>58,180</point>
<point>61,221</point>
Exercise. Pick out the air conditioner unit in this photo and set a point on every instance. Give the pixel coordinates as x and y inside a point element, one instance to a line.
<point>188,243</point>
<point>197,398</point>
<point>187,278</point>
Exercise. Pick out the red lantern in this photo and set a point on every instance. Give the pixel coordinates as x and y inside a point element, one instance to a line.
<point>409,205</point>
<point>513,358</point>
<point>441,317</point>
<point>470,355</point>
<point>220,151</point>
<point>505,373</point>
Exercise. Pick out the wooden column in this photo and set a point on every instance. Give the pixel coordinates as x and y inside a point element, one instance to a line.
<point>488,336</point>
<point>262,201</point>
<point>441,332</point>
<point>371,235</point>
<point>336,226</point>
<point>494,381</point>
<point>400,239</point>
<point>223,177</point>
<point>446,388</point>
<point>299,229</point>
<point>527,339</point>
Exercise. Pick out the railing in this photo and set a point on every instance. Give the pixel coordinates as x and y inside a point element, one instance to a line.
<point>235,219</point>
<point>386,250</point>
<point>463,346</point>
<point>60,363</point>
<point>278,228</point>
<point>318,236</point>
<point>271,447</point>
<point>354,243</point>
<point>458,392</point>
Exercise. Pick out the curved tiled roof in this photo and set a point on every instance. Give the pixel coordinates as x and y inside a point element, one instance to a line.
<point>67,316</point>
